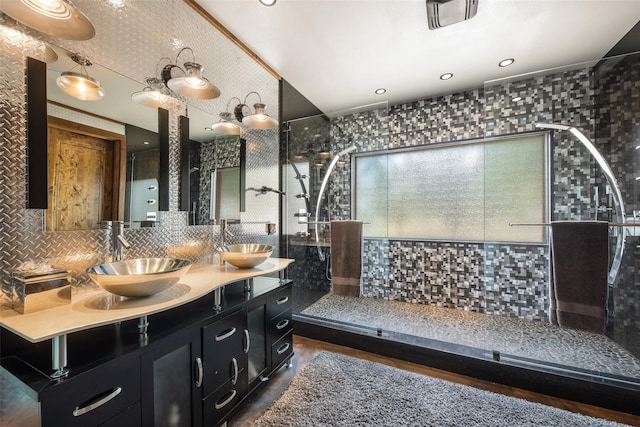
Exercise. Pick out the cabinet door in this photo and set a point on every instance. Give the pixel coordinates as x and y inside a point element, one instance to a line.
<point>172,380</point>
<point>224,345</point>
<point>257,323</point>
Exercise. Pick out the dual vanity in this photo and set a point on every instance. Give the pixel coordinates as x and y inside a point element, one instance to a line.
<point>186,356</point>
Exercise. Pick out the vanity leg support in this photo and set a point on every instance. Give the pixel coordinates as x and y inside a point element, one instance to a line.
<point>217,299</point>
<point>143,325</point>
<point>290,363</point>
<point>59,356</point>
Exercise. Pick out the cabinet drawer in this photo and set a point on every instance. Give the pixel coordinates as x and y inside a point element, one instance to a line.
<point>223,356</point>
<point>94,397</point>
<point>280,325</point>
<point>280,301</point>
<point>281,350</point>
<point>223,400</point>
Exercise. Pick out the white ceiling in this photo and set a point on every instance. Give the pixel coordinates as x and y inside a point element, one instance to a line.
<point>338,52</point>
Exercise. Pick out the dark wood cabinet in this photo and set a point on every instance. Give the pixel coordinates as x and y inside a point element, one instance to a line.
<point>195,367</point>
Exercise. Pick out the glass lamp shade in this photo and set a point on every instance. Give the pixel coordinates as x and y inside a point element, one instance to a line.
<point>80,86</point>
<point>193,85</point>
<point>148,98</point>
<point>54,17</point>
<point>225,126</point>
<point>260,120</point>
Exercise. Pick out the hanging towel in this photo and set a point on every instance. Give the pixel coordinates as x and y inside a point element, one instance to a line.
<point>346,257</point>
<point>580,262</point>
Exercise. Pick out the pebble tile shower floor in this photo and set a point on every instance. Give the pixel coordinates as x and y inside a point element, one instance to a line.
<point>528,339</point>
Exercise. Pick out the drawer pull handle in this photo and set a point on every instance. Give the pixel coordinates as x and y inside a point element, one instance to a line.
<point>247,341</point>
<point>282,324</point>
<point>282,300</point>
<point>234,362</point>
<point>225,402</point>
<point>226,334</point>
<point>284,347</point>
<point>96,404</point>
<point>200,372</point>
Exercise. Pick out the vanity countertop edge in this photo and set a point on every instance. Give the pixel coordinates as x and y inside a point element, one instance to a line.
<point>201,279</point>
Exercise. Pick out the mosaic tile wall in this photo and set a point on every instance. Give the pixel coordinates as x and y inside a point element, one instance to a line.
<point>504,279</point>
<point>125,45</point>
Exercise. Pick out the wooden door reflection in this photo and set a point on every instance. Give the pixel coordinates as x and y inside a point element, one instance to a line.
<point>86,176</point>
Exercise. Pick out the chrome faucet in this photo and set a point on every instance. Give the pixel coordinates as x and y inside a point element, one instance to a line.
<point>224,230</point>
<point>118,241</point>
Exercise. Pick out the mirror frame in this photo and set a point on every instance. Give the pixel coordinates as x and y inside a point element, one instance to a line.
<point>37,141</point>
<point>37,135</point>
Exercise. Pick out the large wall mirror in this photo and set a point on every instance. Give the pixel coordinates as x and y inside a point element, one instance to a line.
<point>117,141</point>
<point>216,179</point>
<point>103,156</point>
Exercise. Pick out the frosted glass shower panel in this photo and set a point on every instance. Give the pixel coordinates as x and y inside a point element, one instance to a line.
<point>456,192</point>
<point>372,194</point>
<point>515,189</point>
<point>437,193</point>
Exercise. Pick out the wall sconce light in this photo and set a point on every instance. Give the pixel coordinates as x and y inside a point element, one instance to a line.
<point>226,126</point>
<point>153,95</point>
<point>259,119</point>
<point>54,17</point>
<point>80,85</point>
<point>192,84</point>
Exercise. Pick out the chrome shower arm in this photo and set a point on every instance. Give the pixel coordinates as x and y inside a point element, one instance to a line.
<point>613,183</point>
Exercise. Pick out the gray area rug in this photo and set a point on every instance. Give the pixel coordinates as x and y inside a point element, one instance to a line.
<point>338,390</point>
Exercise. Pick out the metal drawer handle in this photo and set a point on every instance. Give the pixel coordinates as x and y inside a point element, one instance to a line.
<point>247,341</point>
<point>220,405</point>
<point>234,362</point>
<point>284,347</point>
<point>98,403</point>
<point>282,300</point>
<point>282,324</point>
<point>226,334</point>
<point>199,371</point>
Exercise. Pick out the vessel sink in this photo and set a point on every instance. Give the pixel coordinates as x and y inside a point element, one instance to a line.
<point>139,277</point>
<point>245,255</point>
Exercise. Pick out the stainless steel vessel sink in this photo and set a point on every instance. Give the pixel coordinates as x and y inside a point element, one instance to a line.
<point>245,255</point>
<point>139,277</point>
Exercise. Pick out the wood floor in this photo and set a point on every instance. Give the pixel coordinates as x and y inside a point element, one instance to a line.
<point>306,349</point>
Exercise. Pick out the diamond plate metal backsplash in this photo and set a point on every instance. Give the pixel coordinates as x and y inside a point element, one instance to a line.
<point>131,41</point>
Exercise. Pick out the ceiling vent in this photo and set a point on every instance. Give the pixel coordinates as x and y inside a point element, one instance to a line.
<point>441,13</point>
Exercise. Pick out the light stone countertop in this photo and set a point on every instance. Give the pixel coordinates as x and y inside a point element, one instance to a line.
<point>98,308</point>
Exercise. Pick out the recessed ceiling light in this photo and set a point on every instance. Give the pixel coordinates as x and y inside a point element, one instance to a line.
<point>381,91</point>
<point>268,2</point>
<point>506,62</point>
<point>446,76</point>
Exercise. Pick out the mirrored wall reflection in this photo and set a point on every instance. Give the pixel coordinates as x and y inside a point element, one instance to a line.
<point>93,171</point>
<point>215,180</point>
<point>142,181</point>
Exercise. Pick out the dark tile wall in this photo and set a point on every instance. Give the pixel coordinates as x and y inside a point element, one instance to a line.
<point>618,133</point>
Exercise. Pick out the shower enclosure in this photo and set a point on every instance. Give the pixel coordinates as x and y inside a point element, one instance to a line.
<point>438,182</point>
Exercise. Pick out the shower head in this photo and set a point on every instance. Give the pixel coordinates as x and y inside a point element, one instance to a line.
<point>346,151</point>
<point>552,126</point>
